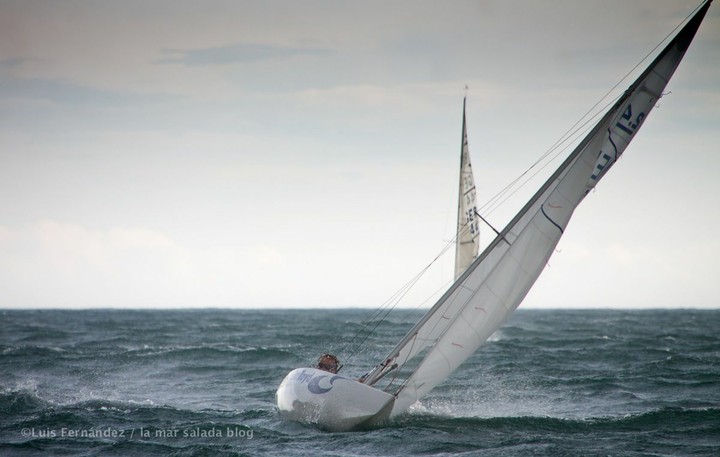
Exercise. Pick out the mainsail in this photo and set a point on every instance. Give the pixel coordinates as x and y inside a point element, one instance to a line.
<point>493,286</point>
<point>467,242</point>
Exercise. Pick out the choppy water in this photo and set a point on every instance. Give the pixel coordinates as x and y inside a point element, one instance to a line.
<point>115,382</point>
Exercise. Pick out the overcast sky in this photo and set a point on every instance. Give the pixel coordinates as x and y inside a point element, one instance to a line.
<point>305,154</point>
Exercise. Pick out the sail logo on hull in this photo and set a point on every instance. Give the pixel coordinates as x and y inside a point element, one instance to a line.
<point>313,382</point>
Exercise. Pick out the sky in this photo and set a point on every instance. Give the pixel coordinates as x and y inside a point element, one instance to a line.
<point>284,154</point>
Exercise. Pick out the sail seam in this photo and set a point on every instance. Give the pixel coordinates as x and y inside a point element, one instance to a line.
<point>469,324</point>
<point>653,93</point>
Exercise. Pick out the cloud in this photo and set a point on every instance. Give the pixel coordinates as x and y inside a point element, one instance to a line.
<point>65,264</point>
<point>64,92</point>
<point>236,53</point>
<point>12,62</point>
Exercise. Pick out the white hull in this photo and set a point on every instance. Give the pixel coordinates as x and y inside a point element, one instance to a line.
<point>330,401</point>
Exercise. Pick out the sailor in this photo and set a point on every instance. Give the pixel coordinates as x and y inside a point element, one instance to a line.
<point>328,362</point>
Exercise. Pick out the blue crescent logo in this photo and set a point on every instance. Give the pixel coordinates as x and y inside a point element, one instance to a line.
<point>314,384</point>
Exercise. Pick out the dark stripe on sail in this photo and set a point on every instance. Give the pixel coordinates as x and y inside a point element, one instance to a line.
<point>613,144</point>
<point>542,208</point>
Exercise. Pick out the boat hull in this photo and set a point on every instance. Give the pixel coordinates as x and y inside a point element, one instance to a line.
<point>330,401</point>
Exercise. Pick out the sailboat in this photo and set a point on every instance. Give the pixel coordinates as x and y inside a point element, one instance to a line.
<point>494,284</point>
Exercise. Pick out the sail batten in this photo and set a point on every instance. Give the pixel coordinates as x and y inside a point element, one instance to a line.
<point>494,284</point>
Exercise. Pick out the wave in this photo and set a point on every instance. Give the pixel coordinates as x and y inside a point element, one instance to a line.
<point>124,351</point>
<point>20,402</point>
<point>32,411</point>
<point>24,402</point>
<point>103,427</point>
<point>694,419</point>
<point>246,354</point>
<point>31,351</point>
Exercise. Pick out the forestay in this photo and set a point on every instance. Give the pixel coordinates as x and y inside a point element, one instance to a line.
<point>493,286</point>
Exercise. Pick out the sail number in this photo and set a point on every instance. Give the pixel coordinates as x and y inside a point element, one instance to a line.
<point>471,221</point>
<point>627,124</point>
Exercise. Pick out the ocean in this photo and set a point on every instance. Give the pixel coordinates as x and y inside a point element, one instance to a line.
<point>202,382</point>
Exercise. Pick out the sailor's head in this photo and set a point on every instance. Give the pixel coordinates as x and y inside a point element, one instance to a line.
<point>328,362</point>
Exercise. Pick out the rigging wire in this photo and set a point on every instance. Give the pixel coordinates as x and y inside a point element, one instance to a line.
<point>384,310</point>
